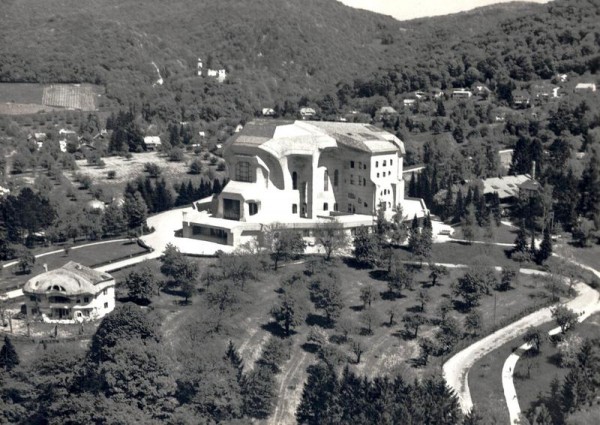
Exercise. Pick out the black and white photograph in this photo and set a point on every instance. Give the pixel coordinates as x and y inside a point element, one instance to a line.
<point>317,212</point>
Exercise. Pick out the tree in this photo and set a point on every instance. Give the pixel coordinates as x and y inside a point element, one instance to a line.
<point>8,355</point>
<point>399,278</point>
<point>141,284</point>
<point>468,224</point>
<point>437,271</point>
<point>534,337</point>
<point>427,347</point>
<point>448,334</point>
<point>470,288</point>
<point>259,394</point>
<point>507,277</point>
<point>326,295</point>
<point>368,318</point>
<point>135,210</point>
<point>318,395</point>
<point>292,309</point>
<point>367,295</point>
<point>126,322</point>
<point>414,236</point>
<point>521,240</point>
<point>332,237</point>
<point>282,243</point>
<point>366,248</point>
<point>398,229</point>
<point>423,298</point>
<point>473,322</point>
<point>564,317</point>
<point>444,308</point>
<point>412,322</point>
<point>196,166</point>
<point>358,348</point>
<point>26,261</point>
<point>545,250</point>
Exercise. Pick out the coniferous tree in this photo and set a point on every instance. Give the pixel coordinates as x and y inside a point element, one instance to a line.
<point>459,210</point>
<point>8,355</point>
<point>521,240</point>
<point>545,250</point>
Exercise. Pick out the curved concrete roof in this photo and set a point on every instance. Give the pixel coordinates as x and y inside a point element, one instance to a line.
<point>281,138</point>
<point>70,279</point>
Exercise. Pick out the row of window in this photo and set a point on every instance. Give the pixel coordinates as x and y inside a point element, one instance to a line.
<point>384,164</point>
<point>360,165</point>
<point>389,173</point>
<point>325,207</point>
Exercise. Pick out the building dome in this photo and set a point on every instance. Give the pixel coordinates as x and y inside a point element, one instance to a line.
<point>70,279</point>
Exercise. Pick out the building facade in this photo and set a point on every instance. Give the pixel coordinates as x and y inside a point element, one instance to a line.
<point>72,292</point>
<point>300,172</point>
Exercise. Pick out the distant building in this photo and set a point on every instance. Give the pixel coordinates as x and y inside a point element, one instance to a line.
<point>199,67</point>
<point>521,98</point>
<point>481,90</point>
<point>219,74</point>
<point>70,293</point>
<point>386,112</point>
<point>409,103</point>
<point>4,191</point>
<point>507,187</point>
<point>461,93</point>
<point>505,156</point>
<point>544,92</point>
<point>301,173</point>
<point>268,112</point>
<point>585,87</point>
<point>306,113</point>
<point>152,142</point>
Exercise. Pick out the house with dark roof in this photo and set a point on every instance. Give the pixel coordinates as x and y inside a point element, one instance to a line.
<point>299,173</point>
<point>71,293</point>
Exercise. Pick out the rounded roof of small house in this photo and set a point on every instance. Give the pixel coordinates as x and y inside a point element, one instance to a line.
<point>70,279</point>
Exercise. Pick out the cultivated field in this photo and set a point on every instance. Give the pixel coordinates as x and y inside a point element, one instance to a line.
<point>32,98</point>
<point>77,96</point>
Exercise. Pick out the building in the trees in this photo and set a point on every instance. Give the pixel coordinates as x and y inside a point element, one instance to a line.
<point>72,292</point>
<point>585,87</point>
<point>461,93</point>
<point>152,142</point>
<point>307,113</point>
<point>299,173</point>
<point>521,98</point>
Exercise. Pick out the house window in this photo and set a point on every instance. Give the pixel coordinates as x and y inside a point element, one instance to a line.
<point>32,298</point>
<point>366,205</point>
<point>377,174</point>
<point>242,171</point>
<point>105,292</point>
<point>376,163</point>
<point>295,180</point>
<point>294,208</point>
<point>349,208</point>
<point>364,166</point>
<point>105,305</point>
<point>325,206</point>
<point>351,164</point>
<point>351,178</point>
<point>364,181</point>
<point>384,163</point>
<point>326,181</point>
<point>335,207</point>
<point>336,178</point>
<point>86,299</point>
<point>252,208</point>
<point>391,162</point>
<point>351,196</point>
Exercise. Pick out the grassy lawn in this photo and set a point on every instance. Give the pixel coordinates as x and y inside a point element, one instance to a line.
<point>544,367</point>
<point>485,377</point>
<point>88,256</point>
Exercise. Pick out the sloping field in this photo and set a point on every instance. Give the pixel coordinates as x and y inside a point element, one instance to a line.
<point>23,99</point>
<point>76,96</point>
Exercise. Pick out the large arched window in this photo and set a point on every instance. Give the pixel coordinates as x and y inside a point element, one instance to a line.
<point>326,181</point>
<point>242,171</point>
<point>336,178</point>
<point>295,180</point>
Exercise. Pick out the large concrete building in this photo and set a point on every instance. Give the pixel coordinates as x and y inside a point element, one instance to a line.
<point>298,173</point>
<point>70,293</point>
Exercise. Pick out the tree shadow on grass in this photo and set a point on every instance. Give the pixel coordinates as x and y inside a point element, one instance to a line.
<point>415,309</point>
<point>310,347</point>
<point>391,296</point>
<point>404,335</point>
<point>359,307</point>
<point>351,262</point>
<point>275,329</point>
<point>318,320</point>
<point>378,274</point>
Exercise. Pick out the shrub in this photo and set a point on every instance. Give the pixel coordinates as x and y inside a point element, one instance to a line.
<point>111,174</point>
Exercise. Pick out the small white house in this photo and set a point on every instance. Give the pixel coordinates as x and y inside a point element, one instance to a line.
<point>461,93</point>
<point>268,112</point>
<point>152,142</point>
<point>585,87</point>
<point>307,113</point>
<point>71,293</point>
